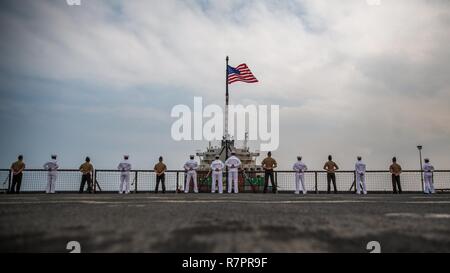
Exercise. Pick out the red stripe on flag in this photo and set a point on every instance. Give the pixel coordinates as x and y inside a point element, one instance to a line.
<point>245,75</point>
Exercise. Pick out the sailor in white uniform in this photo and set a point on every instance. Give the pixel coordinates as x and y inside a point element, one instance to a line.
<point>360,172</point>
<point>233,163</point>
<point>124,167</point>
<point>217,171</point>
<point>52,168</point>
<point>428,170</point>
<point>191,167</point>
<point>300,168</point>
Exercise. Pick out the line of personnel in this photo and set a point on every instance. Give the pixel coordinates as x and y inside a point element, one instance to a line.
<point>217,167</point>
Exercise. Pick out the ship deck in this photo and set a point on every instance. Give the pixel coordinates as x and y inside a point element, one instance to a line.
<point>224,223</point>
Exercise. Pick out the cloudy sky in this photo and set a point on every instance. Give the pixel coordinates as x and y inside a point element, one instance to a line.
<point>100,79</point>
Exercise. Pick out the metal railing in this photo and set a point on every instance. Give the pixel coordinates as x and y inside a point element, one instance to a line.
<point>36,180</point>
<point>68,180</point>
<point>140,180</point>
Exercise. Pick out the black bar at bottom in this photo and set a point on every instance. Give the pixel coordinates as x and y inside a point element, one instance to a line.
<point>227,262</point>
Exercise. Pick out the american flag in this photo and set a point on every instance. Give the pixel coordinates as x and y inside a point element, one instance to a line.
<point>240,73</point>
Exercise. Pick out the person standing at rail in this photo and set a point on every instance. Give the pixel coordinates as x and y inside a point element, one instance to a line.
<point>233,163</point>
<point>87,171</point>
<point>360,173</point>
<point>395,170</point>
<point>331,169</point>
<point>428,170</point>
<point>300,168</point>
<point>268,165</point>
<point>17,169</point>
<point>160,170</point>
<point>52,173</point>
<point>124,167</point>
<point>191,167</point>
<point>217,173</point>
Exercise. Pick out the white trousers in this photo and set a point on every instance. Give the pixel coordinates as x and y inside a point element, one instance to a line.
<point>192,175</point>
<point>428,184</point>
<point>216,176</point>
<point>361,179</point>
<point>233,179</point>
<point>124,183</point>
<point>300,183</point>
<point>51,183</point>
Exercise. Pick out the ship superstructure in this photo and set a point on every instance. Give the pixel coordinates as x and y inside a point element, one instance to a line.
<point>247,157</point>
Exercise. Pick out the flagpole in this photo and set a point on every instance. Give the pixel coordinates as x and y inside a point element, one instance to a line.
<point>226,108</point>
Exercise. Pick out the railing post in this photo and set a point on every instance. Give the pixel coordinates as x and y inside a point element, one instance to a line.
<point>276,181</point>
<point>135,181</point>
<point>315,182</point>
<point>94,180</point>
<point>421,178</point>
<point>9,180</point>
<point>178,184</point>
